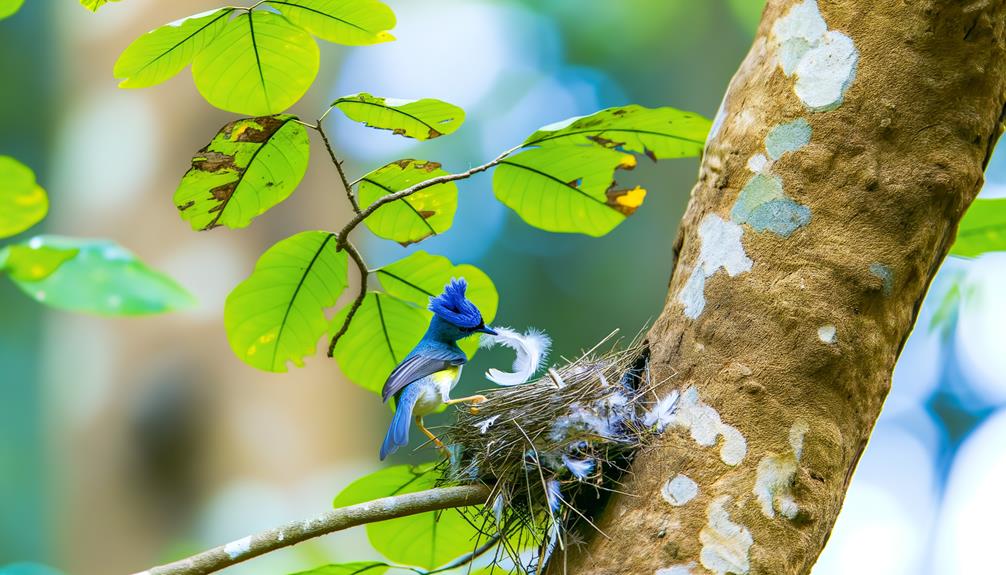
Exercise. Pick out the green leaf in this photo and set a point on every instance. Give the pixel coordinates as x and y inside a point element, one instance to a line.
<point>659,133</point>
<point>413,218</point>
<point>9,7</point>
<point>251,165</point>
<point>23,203</point>
<point>259,64</point>
<point>568,188</point>
<point>983,229</point>
<point>164,52</point>
<point>355,568</point>
<point>26,263</point>
<point>93,5</point>
<point>382,332</point>
<point>350,22</point>
<point>278,314</point>
<point>421,276</point>
<point>420,119</point>
<point>102,278</point>
<point>427,539</point>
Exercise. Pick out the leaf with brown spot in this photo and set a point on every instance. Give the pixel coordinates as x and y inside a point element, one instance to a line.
<point>251,165</point>
<point>626,201</point>
<point>415,217</point>
<point>660,133</point>
<point>420,119</point>
<point>566,188</point>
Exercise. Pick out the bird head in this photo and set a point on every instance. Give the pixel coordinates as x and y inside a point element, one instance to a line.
<point>453,308</point>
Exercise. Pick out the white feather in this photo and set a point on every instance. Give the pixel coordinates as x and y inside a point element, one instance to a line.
<point>531,347</point>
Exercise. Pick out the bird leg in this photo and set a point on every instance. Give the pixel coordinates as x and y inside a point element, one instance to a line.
<point>440,445</point>
<point>472,399</point>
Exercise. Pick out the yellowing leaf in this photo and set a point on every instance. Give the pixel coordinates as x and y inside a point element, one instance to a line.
<point>23,203</point>
<point>33,262</point>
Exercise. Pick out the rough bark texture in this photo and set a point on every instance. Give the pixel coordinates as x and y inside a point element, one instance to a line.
<point>804,316</point>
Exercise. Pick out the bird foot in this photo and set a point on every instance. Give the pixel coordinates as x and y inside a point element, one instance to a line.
<point>473,400</point>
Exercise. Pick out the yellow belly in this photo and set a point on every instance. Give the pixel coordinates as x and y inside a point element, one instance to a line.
<point>435,389</point>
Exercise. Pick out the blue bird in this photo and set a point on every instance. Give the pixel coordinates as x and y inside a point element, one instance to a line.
<point>423,381</point>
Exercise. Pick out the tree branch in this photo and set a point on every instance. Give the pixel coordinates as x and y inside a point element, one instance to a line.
<point>342,241</point>
<point>338,165</point>
<point>235,552</point>
<point>364,272</point>
<point>344,232</point>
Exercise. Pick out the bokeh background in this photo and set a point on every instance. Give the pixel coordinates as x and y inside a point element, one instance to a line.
<point>129,442</point>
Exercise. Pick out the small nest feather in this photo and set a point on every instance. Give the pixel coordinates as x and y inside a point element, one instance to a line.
<point>553,449</point>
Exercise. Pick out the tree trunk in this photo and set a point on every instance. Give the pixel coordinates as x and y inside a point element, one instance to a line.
<point>847,148</point>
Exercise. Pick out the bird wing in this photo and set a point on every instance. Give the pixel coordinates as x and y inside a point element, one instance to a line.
<point>418,366</point>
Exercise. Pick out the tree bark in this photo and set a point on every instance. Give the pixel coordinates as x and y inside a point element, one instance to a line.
<point>848,146</point>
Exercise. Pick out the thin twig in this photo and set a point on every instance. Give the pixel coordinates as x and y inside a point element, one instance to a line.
<point>295,532</point>
<point>344,233</point>
<point>362,267</point>
<point>338,166</point>
<point>467,557</point>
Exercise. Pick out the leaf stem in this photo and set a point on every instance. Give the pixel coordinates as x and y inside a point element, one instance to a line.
<point>361,265</point>
<point>213,560</point>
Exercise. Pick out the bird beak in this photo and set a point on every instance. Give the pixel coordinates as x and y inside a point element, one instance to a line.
<point>487,329</point>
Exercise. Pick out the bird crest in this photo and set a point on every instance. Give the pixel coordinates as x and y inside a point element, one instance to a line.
<point>454,307</point>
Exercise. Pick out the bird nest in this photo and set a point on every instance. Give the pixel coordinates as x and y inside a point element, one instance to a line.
<point>553,449</point>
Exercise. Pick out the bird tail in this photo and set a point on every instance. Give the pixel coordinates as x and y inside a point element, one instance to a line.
<point>398,432</point>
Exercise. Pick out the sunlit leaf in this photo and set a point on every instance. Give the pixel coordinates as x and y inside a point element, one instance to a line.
<point>102,278</point>
<point>9,7</point>
<point>165,51</point>
<point>983,229</point>
<point>251,165</point>
<point>27,263</point>
<point>568,188</point>
<point>93,5</point>
<point>421,276</point>
<point>420,119</point>
<point>427,539</point>
<point>350,22</point>
<point>382,332</point>
<point>659,133</point>
<point>278,314</point>
<point>259,64</point>
<point>355,568</point>
<point>416,217</point>
<point>23,203</point>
